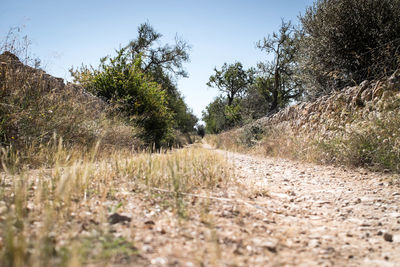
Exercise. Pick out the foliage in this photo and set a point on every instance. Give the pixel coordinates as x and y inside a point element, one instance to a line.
<point>167,58</point>
<point>232,114</point>
<point>35,107</point>
<point>251,134</point>
<point>348,41</point>
<point>183,117</point>
<point>201,130</point>
<point>330,130</point>
<point>232,80</point>
<point>163,64</point>
<point>278,81</point>
<point>139,82</point>
<point>123,84</point>
<point>214,116</point>
<point>251,95</point>
<point>256,103</point>
<point>225,112</point>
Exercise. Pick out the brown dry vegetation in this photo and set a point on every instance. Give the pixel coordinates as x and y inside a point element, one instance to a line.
<point>70,168</point>
<point>73,213</point>
<point>74,190</point>
<point>37,109</point>
<point>359,126</point>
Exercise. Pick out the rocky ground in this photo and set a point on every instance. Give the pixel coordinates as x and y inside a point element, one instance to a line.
<point>277,212</point>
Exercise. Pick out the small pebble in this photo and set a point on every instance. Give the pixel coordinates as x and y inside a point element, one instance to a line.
<point>388,237</point>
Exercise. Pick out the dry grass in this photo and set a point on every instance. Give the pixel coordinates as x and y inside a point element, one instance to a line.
<point>333,132</point>
<point>36,109</point>
<point>59,216</point>
<point>68,163</point>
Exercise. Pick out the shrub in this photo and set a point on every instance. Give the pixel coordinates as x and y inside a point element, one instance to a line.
<point>35,107</point>
<point>201,130</point>
<point>123,84</point>
<point>348,41</point>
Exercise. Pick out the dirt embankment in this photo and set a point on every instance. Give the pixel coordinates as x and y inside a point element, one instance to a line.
<point>357,126</point>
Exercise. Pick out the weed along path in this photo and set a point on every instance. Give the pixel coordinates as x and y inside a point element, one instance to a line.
<point>199,206</point>
<point>296,214</point>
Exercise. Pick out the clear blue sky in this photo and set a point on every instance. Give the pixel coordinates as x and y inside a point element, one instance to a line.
<point>69,33</point>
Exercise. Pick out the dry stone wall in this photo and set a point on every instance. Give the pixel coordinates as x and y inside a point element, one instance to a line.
<point>326,114</point>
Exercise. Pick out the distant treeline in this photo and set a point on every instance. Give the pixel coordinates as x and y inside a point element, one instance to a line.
<point>338,43</point>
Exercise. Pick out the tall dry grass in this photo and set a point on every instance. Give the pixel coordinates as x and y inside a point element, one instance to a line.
<point>60,216</point>
<point>36,109</point>
<point>333,132</point>
<point>69,162</point>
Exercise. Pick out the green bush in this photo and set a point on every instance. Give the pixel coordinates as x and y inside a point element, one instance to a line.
<point>140,83</point>
<point>123,84</point>
<point>348,41</point>
<point>251,134</point>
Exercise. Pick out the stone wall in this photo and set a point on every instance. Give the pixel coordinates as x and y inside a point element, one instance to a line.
<point>337,109</point>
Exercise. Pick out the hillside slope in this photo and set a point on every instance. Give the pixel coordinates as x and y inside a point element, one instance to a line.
<point>356,126</point>
<point>38,110</point>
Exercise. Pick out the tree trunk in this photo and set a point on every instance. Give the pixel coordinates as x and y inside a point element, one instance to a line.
<point>230,100</point>
<point>275,91</point>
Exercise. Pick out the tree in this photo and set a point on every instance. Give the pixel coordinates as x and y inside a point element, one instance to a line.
<point>257,101</point>
<point>140,82</point>
<point>165,64</point>
<point>167,58</point>
<point>201,130</point>
<point>225,111</point>
<point>348,41</point>
<point>123,84</point>
<point>183,117</point>
<point>214,116</point>
<point>231,79</point>
<point>278,82</point>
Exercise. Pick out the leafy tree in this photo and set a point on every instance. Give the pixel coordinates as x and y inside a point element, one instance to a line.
<point>250,95</point>
<point>232,80</point>
<point>201,130</point>
<point>278,82</point>
<point>157,59</point>
<point>233,114</point>
<point>164,63</point>
<point>257,101</point>
<point>214,116</point>
<point>348,41</point>
<point>140,81</point>
<point>123,84</point>
<point>183,117</point>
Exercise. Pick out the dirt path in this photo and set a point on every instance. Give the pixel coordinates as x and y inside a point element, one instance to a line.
<point>324,215</point>
<point>281,213</point>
